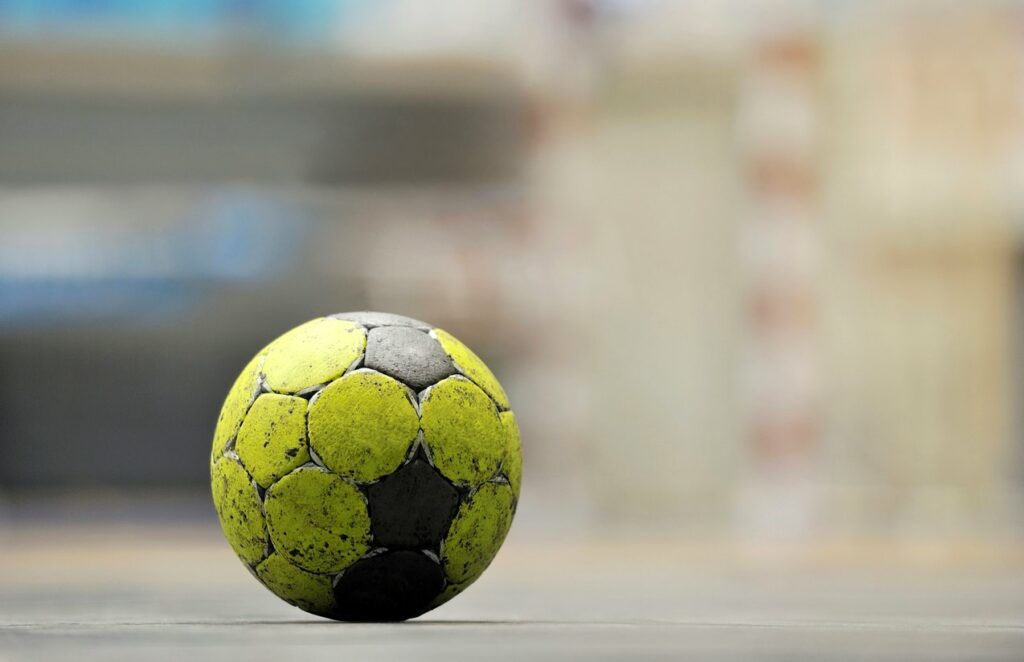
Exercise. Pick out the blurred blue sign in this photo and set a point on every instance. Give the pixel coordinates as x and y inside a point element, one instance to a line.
<point>89,270</point>
<point>300,20</point>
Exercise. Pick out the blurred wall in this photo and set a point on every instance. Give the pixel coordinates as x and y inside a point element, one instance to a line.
<point>744,267</point>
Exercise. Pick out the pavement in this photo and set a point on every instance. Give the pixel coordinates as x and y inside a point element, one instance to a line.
<point>173,590</point>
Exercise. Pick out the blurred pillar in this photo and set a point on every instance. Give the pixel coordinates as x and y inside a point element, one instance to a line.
<point>778,157</point>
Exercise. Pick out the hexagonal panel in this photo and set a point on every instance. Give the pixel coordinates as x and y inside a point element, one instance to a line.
<point>513,461</point>
<point>362,425</point>
<point>477,532</point>
<point>472,366</point>
<point>272,439</point>
<point>305,590</point>
<point>242,394</point>
<point>412,507</point>
<point>449,592</point>
<point>318,520</point>
<point>312,353</point>
<point>239,509</point>
<point>462,431</point>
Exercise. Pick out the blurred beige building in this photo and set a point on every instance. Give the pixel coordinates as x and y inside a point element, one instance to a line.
<point>889,138</point>
<point>746,268</point>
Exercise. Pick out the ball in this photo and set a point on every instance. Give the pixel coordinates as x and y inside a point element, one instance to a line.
<point>366,467</point>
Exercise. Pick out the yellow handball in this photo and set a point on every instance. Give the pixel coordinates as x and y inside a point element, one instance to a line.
<point>366,467</point>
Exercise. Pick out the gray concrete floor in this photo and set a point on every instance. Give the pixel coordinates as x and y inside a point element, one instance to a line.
<point>173,591</point>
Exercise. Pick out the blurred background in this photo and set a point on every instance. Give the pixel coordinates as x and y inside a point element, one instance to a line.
<point>750,271</point>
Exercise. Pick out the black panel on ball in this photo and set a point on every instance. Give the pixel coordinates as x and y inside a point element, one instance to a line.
<point>412,508</point>
<point>392,586</point>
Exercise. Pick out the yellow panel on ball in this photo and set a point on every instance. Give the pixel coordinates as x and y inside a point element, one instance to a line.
<point>238,507</point>
<point>513,461</point>
<point>472,366</point>
<point>363,425</point>
<point>239,398</point>
<point>449,592</point>
<point>313,353</point>
<point>477,532</point>
<point>301,588</point>
<point>317,520</point>
<point>462,430</point>
<point>272,439</point>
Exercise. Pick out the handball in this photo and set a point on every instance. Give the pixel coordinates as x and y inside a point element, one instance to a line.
<point>366,467</point>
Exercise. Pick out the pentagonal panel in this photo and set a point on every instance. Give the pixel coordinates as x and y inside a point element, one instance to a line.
<point>462,430</point>
<point>408,355</point>
<point>362,425</point>
<point>272,439</point>
<point>472,366</point>
<point>412,507</point>
<point>317,520</point>
<point>305,590</point>
<point>392,586</point>
<point>238,507</point>
<point>477,532</point>
<point>313,353</point>
<point>371,319</point>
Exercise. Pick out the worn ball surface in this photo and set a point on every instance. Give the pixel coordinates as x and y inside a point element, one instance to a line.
<point>366,467</point>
